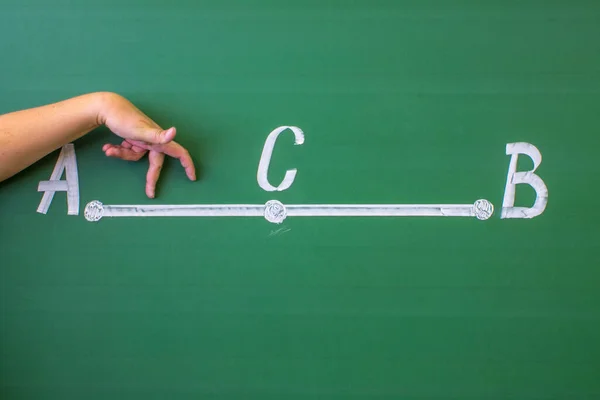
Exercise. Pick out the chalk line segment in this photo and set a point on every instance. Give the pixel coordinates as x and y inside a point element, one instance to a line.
<point>275,212</point>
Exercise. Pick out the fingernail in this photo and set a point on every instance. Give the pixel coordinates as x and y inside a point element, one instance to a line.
<point>168,132</point>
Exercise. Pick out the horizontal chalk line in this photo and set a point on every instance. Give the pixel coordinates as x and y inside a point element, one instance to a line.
<point>192,210</point>
<point>276,212</point>
<point>383,210</point>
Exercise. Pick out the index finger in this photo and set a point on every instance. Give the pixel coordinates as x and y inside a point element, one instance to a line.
<point>175,150</point>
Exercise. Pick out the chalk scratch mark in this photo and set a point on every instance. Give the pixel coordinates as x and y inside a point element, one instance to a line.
<point>279,231</point>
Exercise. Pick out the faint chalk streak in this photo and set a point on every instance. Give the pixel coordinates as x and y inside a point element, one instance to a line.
<point>279,231</point>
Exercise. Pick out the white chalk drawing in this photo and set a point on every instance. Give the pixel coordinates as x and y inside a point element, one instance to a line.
<point>66,162</point>
<point>265,160</point>
<point>529,177</point>
<point>275,212</point>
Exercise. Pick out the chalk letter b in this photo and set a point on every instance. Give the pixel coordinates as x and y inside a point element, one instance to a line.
<point>66,161</point>
<point>528,177</point>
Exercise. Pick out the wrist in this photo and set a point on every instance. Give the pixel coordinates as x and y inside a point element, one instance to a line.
<point>104,102</point>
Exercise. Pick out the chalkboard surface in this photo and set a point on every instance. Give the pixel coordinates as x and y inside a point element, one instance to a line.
<point>408,104</point>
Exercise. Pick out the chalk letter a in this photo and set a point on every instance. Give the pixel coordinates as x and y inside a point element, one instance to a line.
<point>528,177</point>
<point>66,161</point>
<point>265,159</point>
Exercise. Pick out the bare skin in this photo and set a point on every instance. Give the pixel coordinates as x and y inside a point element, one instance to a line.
<point>27,136</point>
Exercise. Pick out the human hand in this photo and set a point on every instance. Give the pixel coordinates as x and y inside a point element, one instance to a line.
<point>141,135</point>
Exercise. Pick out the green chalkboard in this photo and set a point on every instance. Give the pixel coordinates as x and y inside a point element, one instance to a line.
<point>401,103</point>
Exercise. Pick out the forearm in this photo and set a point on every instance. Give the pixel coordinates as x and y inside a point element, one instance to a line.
<point>28,135</point>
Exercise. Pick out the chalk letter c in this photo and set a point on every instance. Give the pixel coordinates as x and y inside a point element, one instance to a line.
<point>265,159</point>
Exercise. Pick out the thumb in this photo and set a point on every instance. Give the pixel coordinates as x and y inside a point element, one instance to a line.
<point>155,135</point>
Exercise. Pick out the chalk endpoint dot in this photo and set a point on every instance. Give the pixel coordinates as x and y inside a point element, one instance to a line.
<point>93,211</point>
<point>275,211</point>
<point>483,209</point>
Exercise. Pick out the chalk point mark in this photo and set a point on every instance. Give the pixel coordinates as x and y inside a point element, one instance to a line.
<point>483,209</point>
<point>275,211</point>
<point>94,211</point>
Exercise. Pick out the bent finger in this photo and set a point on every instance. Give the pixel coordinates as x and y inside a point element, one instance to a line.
<point>177,151</point>
<point>122,153</point>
